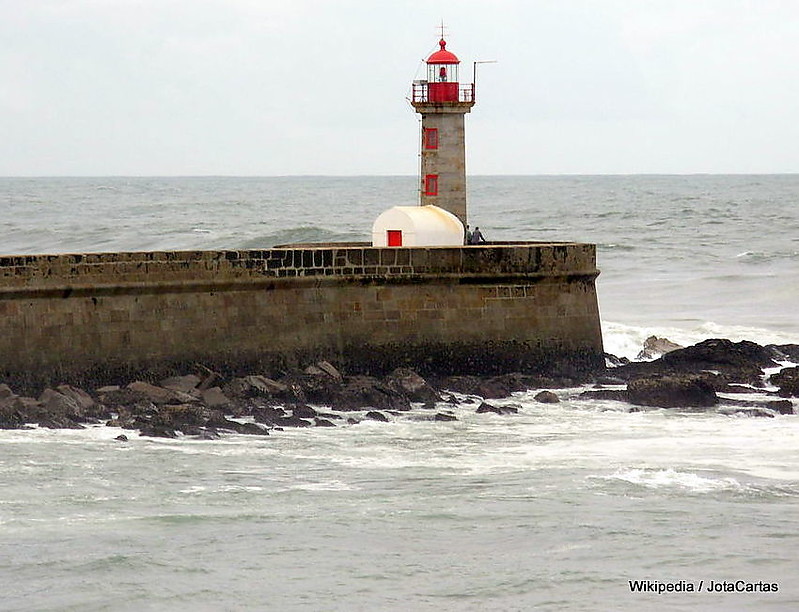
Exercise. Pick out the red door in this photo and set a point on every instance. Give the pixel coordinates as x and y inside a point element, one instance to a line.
<point>394,237</point>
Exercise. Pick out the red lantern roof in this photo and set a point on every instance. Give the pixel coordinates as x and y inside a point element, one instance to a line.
<point>442,56</point>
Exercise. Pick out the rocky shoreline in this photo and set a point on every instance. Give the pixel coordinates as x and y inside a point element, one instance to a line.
<point>205,404</point>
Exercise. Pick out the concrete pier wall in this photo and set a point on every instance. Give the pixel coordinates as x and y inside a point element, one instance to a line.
<point>481,309</point>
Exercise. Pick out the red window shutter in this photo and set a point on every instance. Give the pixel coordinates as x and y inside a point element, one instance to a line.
<point>431,184</point>
<point>431,138</point>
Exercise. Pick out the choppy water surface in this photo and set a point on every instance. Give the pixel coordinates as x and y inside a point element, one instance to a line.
<point>675,251</point>
<point>555,508</point>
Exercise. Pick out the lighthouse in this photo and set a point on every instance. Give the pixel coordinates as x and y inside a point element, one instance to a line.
<point>440,218</point>
<point>443,101</point>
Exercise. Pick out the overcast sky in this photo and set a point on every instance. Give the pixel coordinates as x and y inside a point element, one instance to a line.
<point>284,87</point>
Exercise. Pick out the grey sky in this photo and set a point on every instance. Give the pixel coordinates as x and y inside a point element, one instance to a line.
<point>276,87</point>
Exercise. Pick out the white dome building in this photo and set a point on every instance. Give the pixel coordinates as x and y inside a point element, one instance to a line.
<point>410,226</point>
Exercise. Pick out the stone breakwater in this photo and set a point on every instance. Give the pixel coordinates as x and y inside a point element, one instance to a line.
<point>206,404</point>
<point>91,319</point>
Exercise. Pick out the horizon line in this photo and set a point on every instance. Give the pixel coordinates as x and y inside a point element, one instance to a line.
<point>350,176</point>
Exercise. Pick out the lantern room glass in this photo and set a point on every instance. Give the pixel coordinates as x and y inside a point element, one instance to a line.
<point>442,73</point>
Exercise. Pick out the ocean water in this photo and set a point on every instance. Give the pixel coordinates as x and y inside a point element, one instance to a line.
<point>559,507</point>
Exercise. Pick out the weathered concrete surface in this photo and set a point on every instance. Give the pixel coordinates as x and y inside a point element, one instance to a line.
<point>526,307</point>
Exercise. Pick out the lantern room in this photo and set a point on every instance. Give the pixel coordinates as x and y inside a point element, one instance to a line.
<point>442,75</point>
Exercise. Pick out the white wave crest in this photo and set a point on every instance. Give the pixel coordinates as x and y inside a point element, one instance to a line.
<point>674,479</point>
<point>627,340</point>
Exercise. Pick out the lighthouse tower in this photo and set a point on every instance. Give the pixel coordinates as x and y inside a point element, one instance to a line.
<point>443,101</point>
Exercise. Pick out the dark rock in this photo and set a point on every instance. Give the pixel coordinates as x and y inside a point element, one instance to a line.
<point>611,361</point>
<point>741,362</point>
<point>655,347</point>
<point>302,388</point>
<point>330,370</point>
<point>142,408</point>
<point>6,392</point>
<point>125,420</point>
<point>158,395</point>
<point>268,415</point>
<point>610,380</point>
<point>750,412</point>
<point>157,430</point>
<point>295,391</point>
<point>292,421</point>
<point>217,420</point>
<point>59,422</point>
<point>206,434</point>
<point>312,370</point>
<point>464,385</point>
<point>444,416</point>
<point>59,405</point>
<point>686,391</point>
<point>359,392</point>
<point>192,414</point>
<point>56,411</point>
<point>785,352</point>
<point>250,429</point>
<point>546,397</point>
<point>239,389</point>
<point>787,380</point>
<point>166,420</point>
<point>208,377</point>
<point>107,389</point>
<point>616,395</point>
<point>17,411</point>
<point>722,352</point>
<point>117,397</point>
<point>781,406</point>
<point>254,386</point>
<point>325,368</point>
<point>301,411</point>
<point>121,438</point>
<point>214,398</point>
<point>494,388</point>
<point>86,403</point>
<point>10,416</point>
<point>408,383</point>
<point>499,387</point>
<point>374,415</point>
<point>185,384</point>
<point>323,423</point>
<point>486,407</point>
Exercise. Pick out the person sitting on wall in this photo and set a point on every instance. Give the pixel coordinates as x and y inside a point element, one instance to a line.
<point>467,238</point>
<point>477,236</point>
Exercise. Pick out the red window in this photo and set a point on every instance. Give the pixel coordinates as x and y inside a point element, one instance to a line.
<point>431,184</point>
<point>394,237</point>
<point>431,138</point>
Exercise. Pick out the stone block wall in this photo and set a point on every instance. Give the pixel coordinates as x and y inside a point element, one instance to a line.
<point>479,309</point>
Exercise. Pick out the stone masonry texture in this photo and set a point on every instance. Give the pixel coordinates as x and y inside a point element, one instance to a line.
<point>494,308</point>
